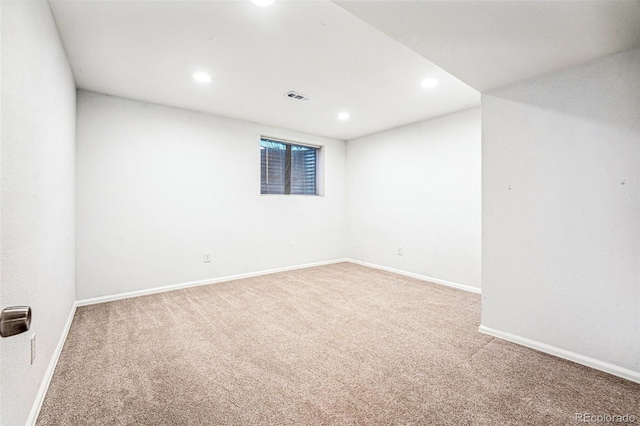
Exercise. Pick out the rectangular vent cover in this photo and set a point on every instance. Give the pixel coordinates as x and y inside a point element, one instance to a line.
<point>297,96</point>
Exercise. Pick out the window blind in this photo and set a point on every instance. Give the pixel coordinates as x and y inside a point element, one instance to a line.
<point>287,168</point>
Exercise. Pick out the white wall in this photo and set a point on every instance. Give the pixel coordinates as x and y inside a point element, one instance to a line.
<point>37,196</point>
<point>561,210</point>
<point>159,186</point>
<point>418,187</point>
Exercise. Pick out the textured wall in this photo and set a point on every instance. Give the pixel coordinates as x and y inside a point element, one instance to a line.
<point>418,187</point>
<point>561,210</point>
<point>37,196</point>
<point>159,186</point>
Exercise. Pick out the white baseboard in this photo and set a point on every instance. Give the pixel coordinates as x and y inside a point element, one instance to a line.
<point>48,374</point>
<point>418,276</point>
<point>615,370</point>
<point>119,296</point>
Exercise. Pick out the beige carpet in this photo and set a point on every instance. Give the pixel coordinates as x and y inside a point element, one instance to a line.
<point>339,344</point>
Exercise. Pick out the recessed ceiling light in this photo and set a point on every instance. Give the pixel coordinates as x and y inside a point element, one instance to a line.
<point>202,77</point>
<point>263,3</point>
<point>429,82</point>
<point>343,116</point>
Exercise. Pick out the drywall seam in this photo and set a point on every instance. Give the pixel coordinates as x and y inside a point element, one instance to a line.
<point>613,369</point>
<point>48,375</point>
<point>418,276</point>
<point>119,296</point>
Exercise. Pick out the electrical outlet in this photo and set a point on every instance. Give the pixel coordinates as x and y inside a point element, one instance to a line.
<point>399,252</point>
<point>33,348</point>
<point>207,257</point>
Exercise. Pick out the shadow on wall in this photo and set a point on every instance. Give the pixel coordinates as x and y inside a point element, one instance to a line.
<point>595,98</point>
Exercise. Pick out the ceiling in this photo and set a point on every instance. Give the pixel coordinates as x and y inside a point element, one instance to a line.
<point>364,57</point>
<point>488,44</point>
<point>148,50</point>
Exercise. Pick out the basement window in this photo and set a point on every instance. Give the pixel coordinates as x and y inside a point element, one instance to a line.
<point>288,168</point>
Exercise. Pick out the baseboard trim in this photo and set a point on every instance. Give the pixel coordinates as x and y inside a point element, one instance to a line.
<point>418,276</point>
<point>615,370</point>
<point>171,287</point>
<point>48,374</point>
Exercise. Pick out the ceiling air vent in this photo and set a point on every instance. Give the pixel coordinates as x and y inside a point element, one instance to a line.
<point>297,96</point>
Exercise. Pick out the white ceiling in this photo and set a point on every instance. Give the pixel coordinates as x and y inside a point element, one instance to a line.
<point>488,44</point>
<point>147,50</point>
<point>365,57</point>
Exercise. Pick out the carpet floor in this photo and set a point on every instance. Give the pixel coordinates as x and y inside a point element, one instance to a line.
<point>339,344</point>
